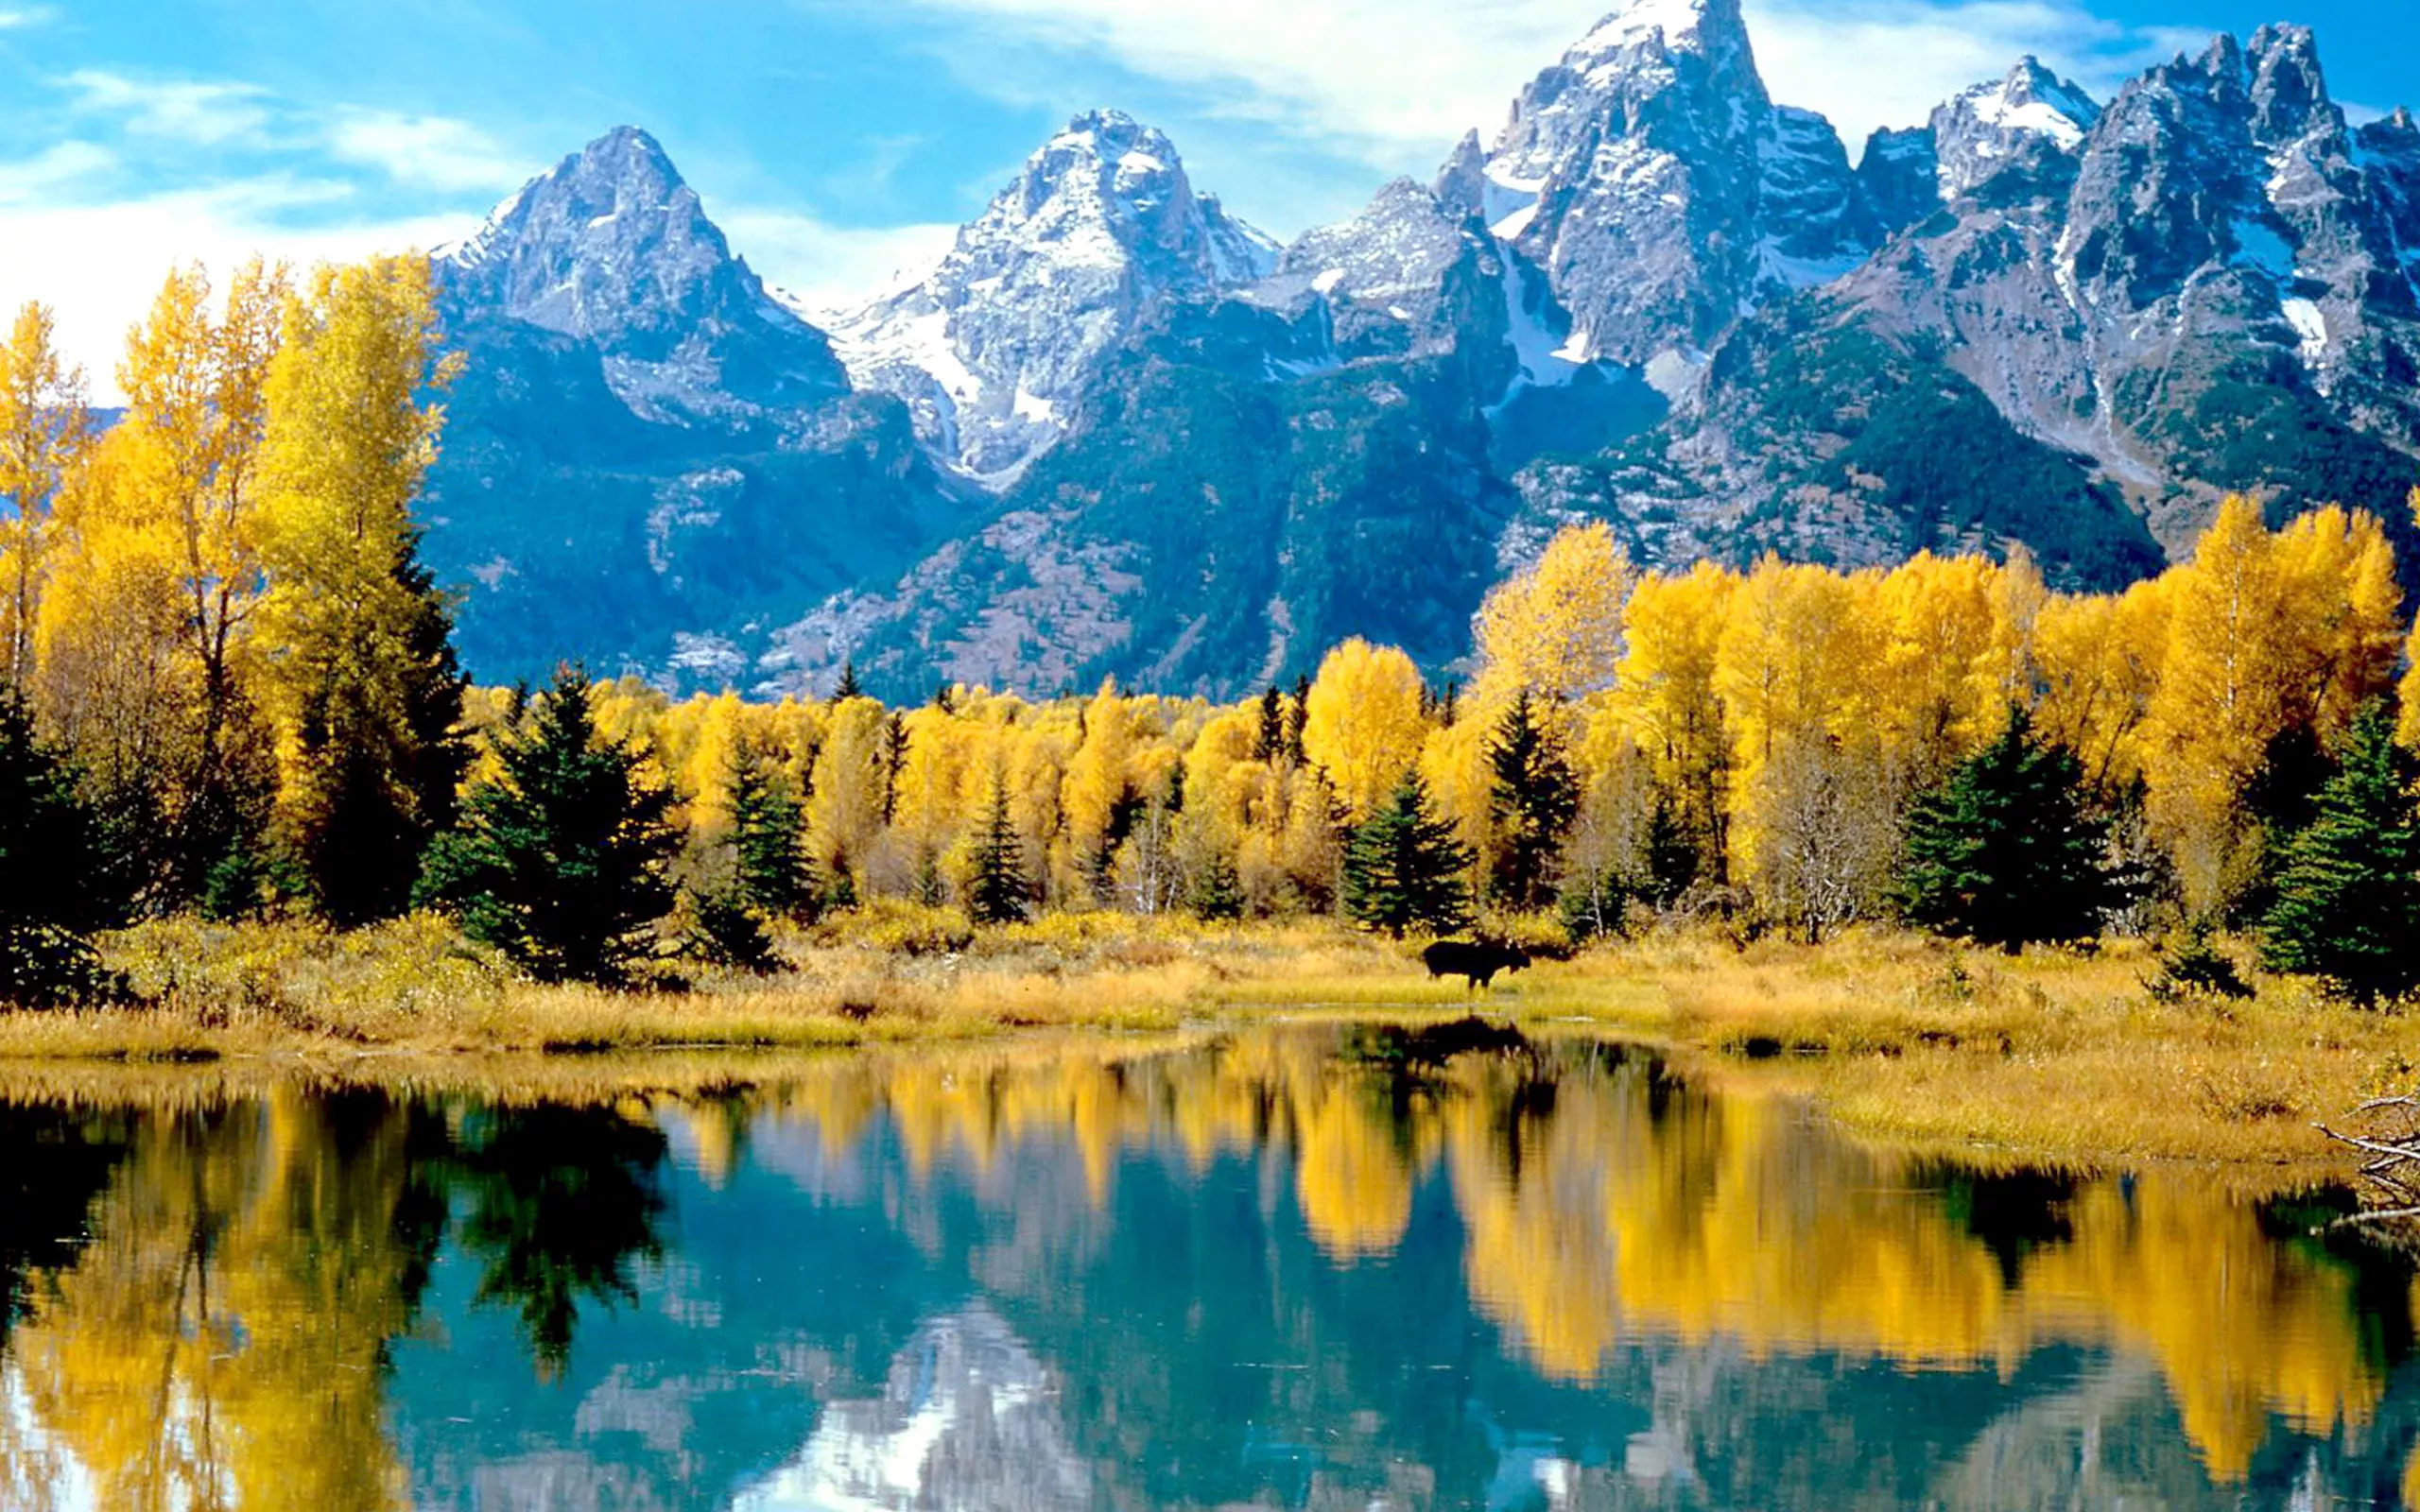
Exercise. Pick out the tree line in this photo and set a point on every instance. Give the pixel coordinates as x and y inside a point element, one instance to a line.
<point>232,692</point>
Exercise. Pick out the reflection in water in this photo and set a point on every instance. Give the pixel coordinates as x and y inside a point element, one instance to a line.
<point>1305,1268</point>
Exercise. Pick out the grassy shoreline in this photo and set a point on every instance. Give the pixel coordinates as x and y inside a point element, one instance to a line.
<point>2058,1056</point>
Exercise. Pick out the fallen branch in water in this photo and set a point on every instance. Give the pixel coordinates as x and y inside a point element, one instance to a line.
<point>2393,1145</point>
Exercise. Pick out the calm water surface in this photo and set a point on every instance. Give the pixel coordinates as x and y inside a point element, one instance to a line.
<point>1302,1268</point>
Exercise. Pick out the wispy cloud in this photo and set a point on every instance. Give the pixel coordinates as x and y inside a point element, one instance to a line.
<point>1392,82</point>
<point>19,18</point>
<point>432,151</point>
<point>1823,56</point>
<point>202,115</point>
<point>823,266</point>
<point>99,265</point>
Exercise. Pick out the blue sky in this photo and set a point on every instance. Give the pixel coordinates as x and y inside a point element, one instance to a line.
<point>838,140</point>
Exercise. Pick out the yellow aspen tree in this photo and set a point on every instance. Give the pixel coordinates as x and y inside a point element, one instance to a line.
<point>1362,724</point>
<point>356,658</point>
<point>110,684</point>
<point>1103,777</point>
<point>1556,629</point>
<point>44,430</point>
<point>929,813</point>
<point>2342,618</point>
<point>1793,669</point>
<point>844,800</point>
<point>2226,691</point>
<point>1673,630</point>
<point>196,414</point>
<point>1942,684</point>
<point>2019,596</point>
<point>2409,692</point>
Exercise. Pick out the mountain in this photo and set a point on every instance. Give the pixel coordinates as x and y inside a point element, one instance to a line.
<point>1117,432</point>
<point>998,348</point>
<point>646,456</point>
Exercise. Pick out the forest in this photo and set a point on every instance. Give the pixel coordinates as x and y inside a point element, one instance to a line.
<point>230,695</point>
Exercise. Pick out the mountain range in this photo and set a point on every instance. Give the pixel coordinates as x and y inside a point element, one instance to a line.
<point>1117,431</point>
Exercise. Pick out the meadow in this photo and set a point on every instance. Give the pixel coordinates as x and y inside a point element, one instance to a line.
<point>2059,1055</point>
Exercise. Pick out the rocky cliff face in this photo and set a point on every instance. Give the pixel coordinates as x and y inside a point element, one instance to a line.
<point>644,451</point>
<point>1117,432</point>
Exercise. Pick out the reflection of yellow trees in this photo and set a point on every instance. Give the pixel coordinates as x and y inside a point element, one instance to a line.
<point>1617,1209</point>
<point>1735,1220</point>
<point>220,1342</point>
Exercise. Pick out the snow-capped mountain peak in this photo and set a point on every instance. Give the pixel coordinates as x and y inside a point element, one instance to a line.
<point>1679,22</point>
<point>613,246</point>
<point>2009,122</point>
<point>994,348</point>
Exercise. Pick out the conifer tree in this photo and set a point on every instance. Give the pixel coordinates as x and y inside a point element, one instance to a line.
<point>1532,798</point>
<point>2348,898</point>
<point>848,687</point>
<point>768,835</point>
<point>999,891</point>
<point>1404,868</point>
<point>560,862</point>
<point>1268,739</point>
<point>2006,851</point>
<point>52,872</point>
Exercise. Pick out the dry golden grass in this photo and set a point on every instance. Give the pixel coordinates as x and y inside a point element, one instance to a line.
<point>2063,1055</point>
<point>2057,1054</point>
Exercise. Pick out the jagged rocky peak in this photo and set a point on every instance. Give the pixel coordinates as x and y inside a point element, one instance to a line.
<point>613,249</point>
<point>995,346</point>
<point>1901,172</point>
<point>2030,121</point>
<point>611,244</point>
<point>1816,222</point>
<point>1410,274</point>
<point>1629,172</point>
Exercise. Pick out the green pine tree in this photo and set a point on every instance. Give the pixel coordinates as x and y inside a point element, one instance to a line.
<point>1532,799</point>
<point>53,872</point>
<point>1404,868</point>
<point>2007,852</point>
<point>562,862</point>
<point>769,863</point>
<point>1269,740</point>
<point>848,687</point>
<point>383,755</point>
<point>1000,892</point>
<point>2348,896</point>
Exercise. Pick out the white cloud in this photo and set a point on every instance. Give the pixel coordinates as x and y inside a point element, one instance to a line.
<point>99,265</point>
<point>18,18</point>
<point>1395,81</point>
<point>428,150</point>
<point>823,266</point>
<point>202,115</point>
<point>1869,63</point>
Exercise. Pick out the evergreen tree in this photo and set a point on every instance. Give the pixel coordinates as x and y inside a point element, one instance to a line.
<point>561,862</point>
<point>848,687</point>
<point>726,929</point>
<point>52,872</point>
<point>1404,868</point>
<point>2006,851</point>
<point>1268,741</point>
<point>1531,800</point>
<point>1214,890</point>
<point>2348,897</point>
<point>1297,713</point>
<point>768,865</point>
<point>1000,892</point>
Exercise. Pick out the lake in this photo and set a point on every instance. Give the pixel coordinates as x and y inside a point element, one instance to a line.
<point>1316,1267</point>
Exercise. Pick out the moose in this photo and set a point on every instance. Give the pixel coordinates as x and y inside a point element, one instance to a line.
<point>1475,961</point>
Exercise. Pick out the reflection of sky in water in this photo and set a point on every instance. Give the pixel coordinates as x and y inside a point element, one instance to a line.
<point>1026,1277</point>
